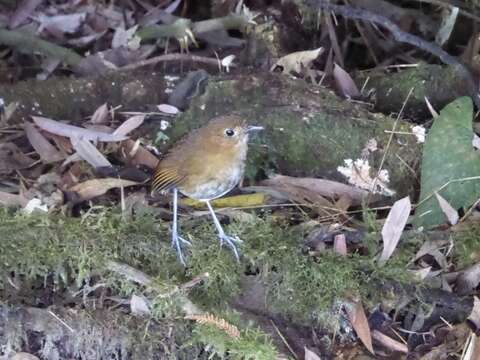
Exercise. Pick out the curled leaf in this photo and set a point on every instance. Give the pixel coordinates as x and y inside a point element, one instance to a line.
<point>59,128</point>
<point>358,319</point>
<point>345,83</point>
<point>48,153</point>
<point>90,189</point>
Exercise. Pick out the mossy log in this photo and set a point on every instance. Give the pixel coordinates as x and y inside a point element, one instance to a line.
<point>72,98</point>
<point>439,84</point>
<point>309,131</point>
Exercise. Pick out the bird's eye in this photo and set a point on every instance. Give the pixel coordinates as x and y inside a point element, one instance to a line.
<point>229,132</point>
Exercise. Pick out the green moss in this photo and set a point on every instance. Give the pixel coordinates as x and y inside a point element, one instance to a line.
<point>76,249</point>
<point>299,285</point>
<point>252,344</point>
<point>296,285</point>
<point>467,245</point>
<point>224,272</point>
<point>305,287</point>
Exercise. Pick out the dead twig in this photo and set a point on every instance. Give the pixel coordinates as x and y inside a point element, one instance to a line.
<point>172,57</point>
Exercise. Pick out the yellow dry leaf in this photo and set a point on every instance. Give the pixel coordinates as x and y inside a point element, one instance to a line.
<point>247,200</point>
<point>92,188</point>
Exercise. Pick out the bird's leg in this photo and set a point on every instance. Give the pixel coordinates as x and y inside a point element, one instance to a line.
<point>177,240</point>
<point>230,240</point>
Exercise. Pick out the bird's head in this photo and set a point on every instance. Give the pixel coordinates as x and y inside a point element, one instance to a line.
<point>229,130</point>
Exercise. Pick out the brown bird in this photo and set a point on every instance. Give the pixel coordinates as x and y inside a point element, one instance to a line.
<point>205,165</point>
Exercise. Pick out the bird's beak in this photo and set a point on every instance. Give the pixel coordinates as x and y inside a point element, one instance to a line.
<point>254,128</point>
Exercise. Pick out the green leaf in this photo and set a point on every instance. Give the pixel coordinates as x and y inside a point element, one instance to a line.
<point>450,165</point>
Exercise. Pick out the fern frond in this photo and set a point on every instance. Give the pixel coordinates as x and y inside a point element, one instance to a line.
<point>216,321</point>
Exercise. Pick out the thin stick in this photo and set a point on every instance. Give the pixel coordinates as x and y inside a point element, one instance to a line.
<point>469,211</point>
<point>390,138</point>
<point>284,340</point>
<point>171,57</point>
<point>471,178</point>
<point>61,321</point>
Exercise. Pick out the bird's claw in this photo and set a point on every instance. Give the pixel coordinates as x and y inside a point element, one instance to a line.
<point>177,242</point>
<point>230,241</point>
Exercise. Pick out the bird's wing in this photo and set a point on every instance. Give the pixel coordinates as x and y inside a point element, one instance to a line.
<point>165,178</point>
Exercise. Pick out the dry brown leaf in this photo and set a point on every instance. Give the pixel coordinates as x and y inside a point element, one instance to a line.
<point>100,116</point>
<point>83,41</point>
<point>88,152</point>
<point>9,199</point>
<point>457,336</point>
<point>59,128</point>
<point>448,210</point>
<point>432,110</point>
<point>8,112</point>
<point>345,84</point>
<point>358,319</point>
<point>389,343</point>
<point>129,125</point>
<point>48,153</point>
<point>449,18</point>
<point>468,280</point>
<point>12,158</point>
<point>343,204</point>
<point>60,24</point>
<point>432,247</point>
<point>310,355</point>
<point>134,153</point>
<point>23,11</point>
<point>326,188</point>
<point>139,305</point>
<point>126,38</point>
<point>392,229</point>
<point>92,188</point>
<point>61,142</point>
<point>472,351</point>
<point>48,66</point>
<point>236,201</point>
<point>168,109</point>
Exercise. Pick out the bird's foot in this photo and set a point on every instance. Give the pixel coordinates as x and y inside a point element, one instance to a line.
<point>230,241</point>
<point>177,242</point>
